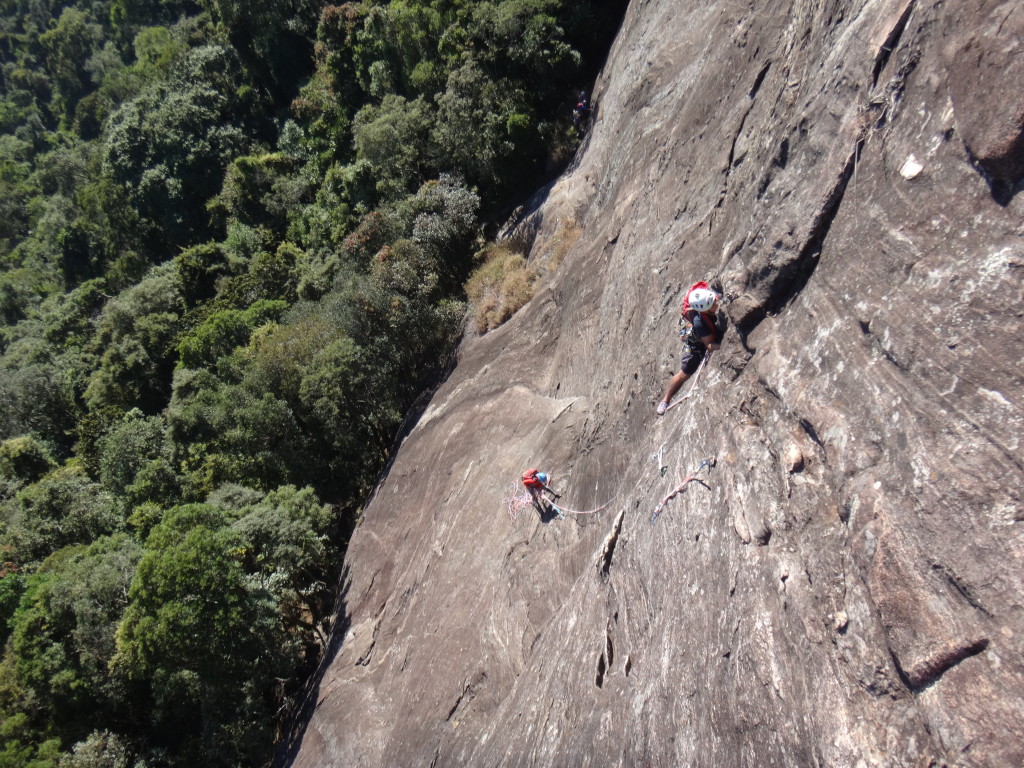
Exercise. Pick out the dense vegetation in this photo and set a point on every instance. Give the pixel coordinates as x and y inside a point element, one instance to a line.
<point>233,243</point>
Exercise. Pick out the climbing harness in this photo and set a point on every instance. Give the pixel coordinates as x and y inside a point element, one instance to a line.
<point>657,510</point>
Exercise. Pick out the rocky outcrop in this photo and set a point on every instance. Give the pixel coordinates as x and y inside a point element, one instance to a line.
<point>844,586</point>
<point>985,67</point>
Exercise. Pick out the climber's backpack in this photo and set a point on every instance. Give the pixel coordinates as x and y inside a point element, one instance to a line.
<point>530,479</point>
<point>688,313</point>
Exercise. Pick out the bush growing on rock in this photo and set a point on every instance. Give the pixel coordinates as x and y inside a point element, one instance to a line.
<point>499,287</point>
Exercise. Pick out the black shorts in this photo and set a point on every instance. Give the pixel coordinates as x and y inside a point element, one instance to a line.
<point>690,359</point>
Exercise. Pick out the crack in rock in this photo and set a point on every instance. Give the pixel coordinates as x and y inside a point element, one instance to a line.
<point>468,694</point>
<point>928,671</point>
<point>891,42</point>
<point>608,547</point>
<point>607,658</point>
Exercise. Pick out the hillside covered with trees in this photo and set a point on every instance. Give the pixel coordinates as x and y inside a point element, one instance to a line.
<point>233,247</point>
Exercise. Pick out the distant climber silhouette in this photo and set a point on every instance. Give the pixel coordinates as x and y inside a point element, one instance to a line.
<point>581,112</point>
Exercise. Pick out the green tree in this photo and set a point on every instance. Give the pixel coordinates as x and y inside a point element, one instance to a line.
<point>21,746</point>
<point>36,394</point>
<point>326,104</point>
<point>337,398</point>
<point>394,138</point>
<point>62,509</point>
<point>225,330</point>
<point>24,458</point>
<point>229,433</point>
<point>157,50</point>
<point>102,749</point>
<point>70,316</point>
<point>67,47</point>
<point>345,193</point>
<point>15,189</point>
<point>290,551</point>
<point>271,276</point>
<point>64,630</point>
<point>117,233</point>
<point>128,448</point>
<point>12,587</point>
<point>260,190</point>
<point>442,219</point>
<point>204,640</point>
<point>199,269</point>
<point>523,40</point>
<point>472,127</point>
<point>170,145</point>
<point>271,35</point>
<point>137,333</point>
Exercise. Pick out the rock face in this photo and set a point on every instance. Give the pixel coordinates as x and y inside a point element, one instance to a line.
<point>985,60</point>
<point>845,586</point>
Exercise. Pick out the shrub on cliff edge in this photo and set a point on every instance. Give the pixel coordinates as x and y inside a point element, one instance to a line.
<point>502,284</point>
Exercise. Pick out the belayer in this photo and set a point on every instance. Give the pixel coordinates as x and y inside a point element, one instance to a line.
<point>536,483</point>
<point>701,333</point>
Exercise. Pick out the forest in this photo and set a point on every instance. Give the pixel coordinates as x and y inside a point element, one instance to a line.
<point>234,247</point>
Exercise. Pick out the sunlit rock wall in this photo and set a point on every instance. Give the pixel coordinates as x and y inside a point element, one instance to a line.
<point>844,586</point>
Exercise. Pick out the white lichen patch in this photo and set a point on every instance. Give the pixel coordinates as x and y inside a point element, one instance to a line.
<point>911,168</point>
<point>995,397</point>
<point>991,270</point>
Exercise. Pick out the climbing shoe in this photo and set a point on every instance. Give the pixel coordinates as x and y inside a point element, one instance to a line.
<point>662,407</point>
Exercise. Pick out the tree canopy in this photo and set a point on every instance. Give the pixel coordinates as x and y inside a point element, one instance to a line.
<point>234,240</point>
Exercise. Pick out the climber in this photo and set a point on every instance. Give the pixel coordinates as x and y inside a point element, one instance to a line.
<point>581,111</point>
<point>700,335</point>
<point>536,483</point>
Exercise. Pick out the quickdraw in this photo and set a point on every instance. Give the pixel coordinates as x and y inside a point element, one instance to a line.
<point>657,510</point>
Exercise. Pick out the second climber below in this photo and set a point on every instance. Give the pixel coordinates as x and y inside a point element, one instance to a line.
<point>536,483</point>
<point>700,334</point>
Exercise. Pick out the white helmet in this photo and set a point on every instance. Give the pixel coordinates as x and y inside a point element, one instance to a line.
<point>701,299</point>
